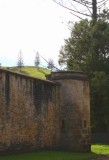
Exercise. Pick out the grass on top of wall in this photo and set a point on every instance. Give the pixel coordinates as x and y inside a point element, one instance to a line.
<point>97,150</point>
<point>37,72</point>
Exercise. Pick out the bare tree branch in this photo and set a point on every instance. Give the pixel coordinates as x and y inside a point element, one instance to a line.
<point>88,8</point>
<point>94,5</point>
<point>76,16</point>
<point>72,9</point>
<point>101,5</point>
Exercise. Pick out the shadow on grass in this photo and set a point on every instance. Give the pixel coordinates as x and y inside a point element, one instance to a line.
<point>51,155</point>
<point>98,152</point>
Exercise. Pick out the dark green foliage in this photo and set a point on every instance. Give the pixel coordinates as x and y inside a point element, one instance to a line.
<point>99,85</point>
<point>87,50</point>
<point>88,47</point>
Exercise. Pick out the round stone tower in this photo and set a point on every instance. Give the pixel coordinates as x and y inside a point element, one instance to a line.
<point>75,110</point>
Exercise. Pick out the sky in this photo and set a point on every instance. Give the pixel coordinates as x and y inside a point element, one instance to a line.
<point>31,26</point>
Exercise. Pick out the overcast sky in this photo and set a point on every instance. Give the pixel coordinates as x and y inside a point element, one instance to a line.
<point>31,25</point>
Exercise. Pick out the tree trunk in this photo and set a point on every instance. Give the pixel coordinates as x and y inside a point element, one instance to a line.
<point>94,8</point>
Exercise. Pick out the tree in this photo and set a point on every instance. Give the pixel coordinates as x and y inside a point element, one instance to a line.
<point>84,8</point>
<point>20,62</point>
<point>88,47</point>
<point>87,50</point>
<point>50,64</point>
<point>37,60</point>
<point>100,101</point>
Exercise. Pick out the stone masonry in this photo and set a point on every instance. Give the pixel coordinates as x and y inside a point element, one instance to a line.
<point>75,110</point>
<point>51,114</point>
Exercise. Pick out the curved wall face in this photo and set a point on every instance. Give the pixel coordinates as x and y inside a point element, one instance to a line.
<point>75,110</point>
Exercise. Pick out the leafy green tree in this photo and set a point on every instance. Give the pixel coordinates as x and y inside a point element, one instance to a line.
<point>100,101</point>
<point>87,50</point>
<point>88,47</point>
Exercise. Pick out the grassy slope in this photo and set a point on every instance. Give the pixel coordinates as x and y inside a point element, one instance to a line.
<point>52,155</point>
<point>32,71</point>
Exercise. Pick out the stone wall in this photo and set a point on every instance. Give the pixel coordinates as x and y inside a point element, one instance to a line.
<point>29,113</point>
<point>75,110</point>
<point>40,114</point>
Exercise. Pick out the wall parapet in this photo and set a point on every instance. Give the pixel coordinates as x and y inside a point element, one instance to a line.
<point>26,76</point>
<point>67,75</point>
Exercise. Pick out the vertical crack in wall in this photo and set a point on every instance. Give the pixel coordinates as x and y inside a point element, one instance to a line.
<point>7,91</point>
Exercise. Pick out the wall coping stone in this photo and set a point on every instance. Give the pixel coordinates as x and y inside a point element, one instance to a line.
<point>61,75</point>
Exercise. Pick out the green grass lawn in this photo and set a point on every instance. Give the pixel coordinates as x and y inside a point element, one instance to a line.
<point>100,149</point>
<point>37,72</point>
<point>48,156</point>
<point>52,155</point>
